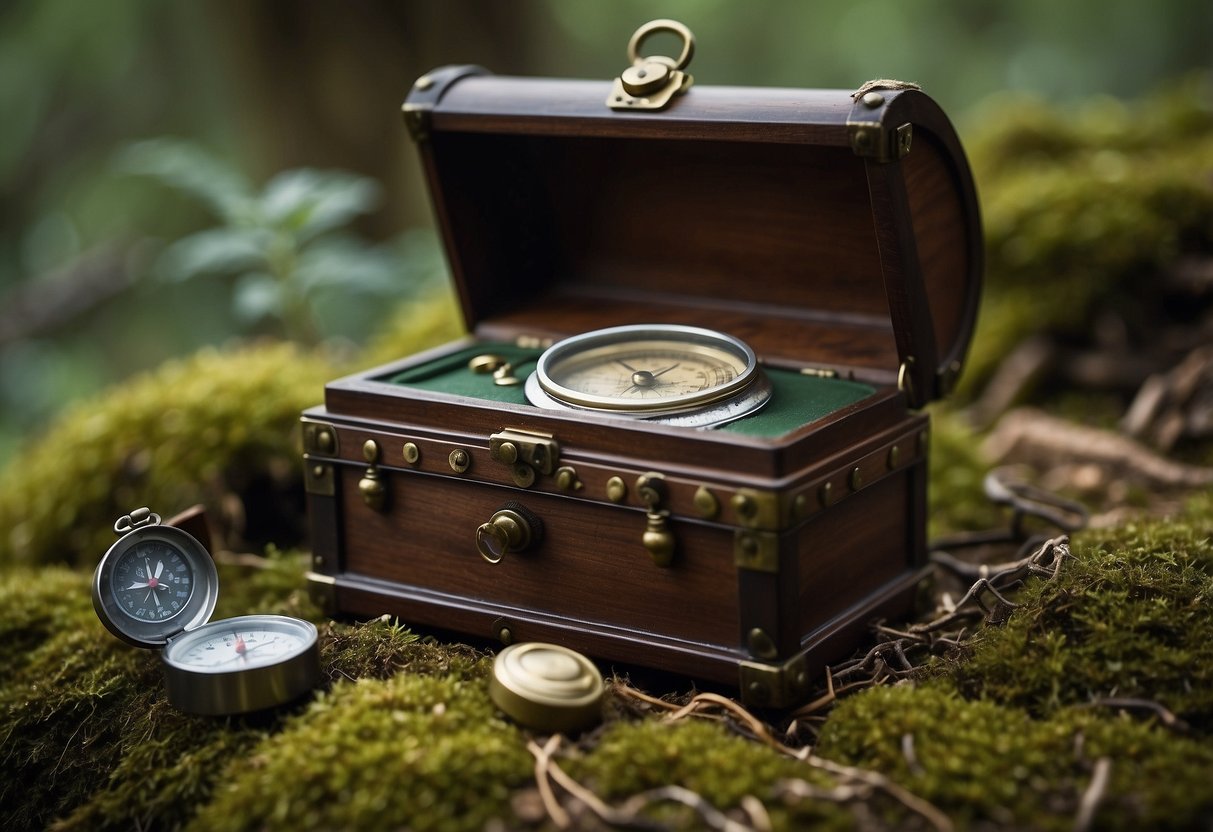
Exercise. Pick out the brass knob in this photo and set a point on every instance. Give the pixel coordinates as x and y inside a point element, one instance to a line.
<point>374,494</point>
<point>658,538</point>
<point>511,529</point>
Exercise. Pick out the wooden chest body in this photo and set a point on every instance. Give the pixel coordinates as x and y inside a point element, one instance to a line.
<point>794,220</point>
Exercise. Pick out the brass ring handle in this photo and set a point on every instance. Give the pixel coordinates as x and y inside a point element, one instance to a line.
<point>486,535</point>
<point>663,25</point>
<point>511,529</point>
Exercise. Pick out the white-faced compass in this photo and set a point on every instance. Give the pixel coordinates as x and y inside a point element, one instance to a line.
<point>156,588</point>
<point>678,375</point>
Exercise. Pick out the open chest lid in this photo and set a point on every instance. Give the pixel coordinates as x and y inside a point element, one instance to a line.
<point>825,230</point>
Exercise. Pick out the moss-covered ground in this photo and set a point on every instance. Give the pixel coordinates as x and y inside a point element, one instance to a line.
<point>1089,705</point>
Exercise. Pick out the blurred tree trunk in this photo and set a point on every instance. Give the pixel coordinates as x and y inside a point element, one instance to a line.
<point>320,84</point>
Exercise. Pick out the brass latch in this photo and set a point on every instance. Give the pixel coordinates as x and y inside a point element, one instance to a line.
<point>527,453</point>
<point>649,83</point>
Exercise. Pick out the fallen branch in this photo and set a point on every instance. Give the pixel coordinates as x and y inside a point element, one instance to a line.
<point>1028,435</point>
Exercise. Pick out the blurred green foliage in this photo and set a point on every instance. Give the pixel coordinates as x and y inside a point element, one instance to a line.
<point>286,243</point>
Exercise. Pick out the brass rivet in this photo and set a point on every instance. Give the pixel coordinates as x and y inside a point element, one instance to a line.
<point>318,560</point>
<point>800,506</point>
<point>800,680</point>
<point>616,489</point>
<point>424,83</point>
<point>567,480</point>
<point>459,460</point>
<point>505,635</point>
<point>507,452</point>
<point>749,544</point>
<point>873,100</point>
<point>760,644</point>
<point>324,440</point>
<point>706,503</point>
<point>856,478</point>
<point>411,453</point>
<point>758,692</point>
<point>318,471</point>
<point>370,450</point>
<point>826,493</point>
<point>894,456</point>
<point>745,505</point>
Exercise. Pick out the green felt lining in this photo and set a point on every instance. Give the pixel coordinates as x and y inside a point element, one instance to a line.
<point>795,400</point>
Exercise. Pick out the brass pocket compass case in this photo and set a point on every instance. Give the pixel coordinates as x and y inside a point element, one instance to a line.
<point>677,375</point>
<point>156,588</point>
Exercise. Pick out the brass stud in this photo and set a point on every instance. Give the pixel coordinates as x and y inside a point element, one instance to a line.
<point>825,493</point>
<point>424,83</point>
<point>505,635</point>
<point>459,460</point>
<point>507,452</point>
<point>324,440</point>
<point>856,478</point>
<point>800,506</point>
<point>894,456</point>
<point>706,503</point>
<point>760,644</point>
<point>616,489</point>
<point>370,450</point>
<point>873,100</point>
<point>567,480</point>
<point>745,505</point>
<point>759,693</point>
<point>318,471</point>
<point>318,560</point>
<point>412,454</point>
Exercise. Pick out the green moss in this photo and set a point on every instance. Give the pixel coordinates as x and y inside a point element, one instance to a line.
<point>986,763</point>
<point>632,757</point>
<point>418,751</point>
<point>1129,616</point>
<point>1079,206</point>
<point>192,431</point>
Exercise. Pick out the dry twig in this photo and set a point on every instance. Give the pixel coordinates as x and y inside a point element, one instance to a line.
<point>1091,798</point>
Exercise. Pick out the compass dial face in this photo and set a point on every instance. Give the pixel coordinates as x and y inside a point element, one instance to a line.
<point>241,643</point>
<point>152,581</point>
<point>676,374</point>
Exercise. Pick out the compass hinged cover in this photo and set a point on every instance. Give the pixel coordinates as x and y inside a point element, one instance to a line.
<point>840,251</point>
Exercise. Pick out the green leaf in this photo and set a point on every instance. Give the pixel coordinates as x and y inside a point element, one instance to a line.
<point>187,167</point>
<point>216,251</point>
<point>257,296</point>
<point>310,202</point>
<point>350,265</point>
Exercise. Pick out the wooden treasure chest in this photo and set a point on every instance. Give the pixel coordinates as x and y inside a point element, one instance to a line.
<point>685,432</point>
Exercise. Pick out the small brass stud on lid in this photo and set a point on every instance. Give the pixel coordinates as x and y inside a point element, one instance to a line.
<point>547,687</point>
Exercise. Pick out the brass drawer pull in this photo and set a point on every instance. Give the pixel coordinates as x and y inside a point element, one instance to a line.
<point>513,528</point>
